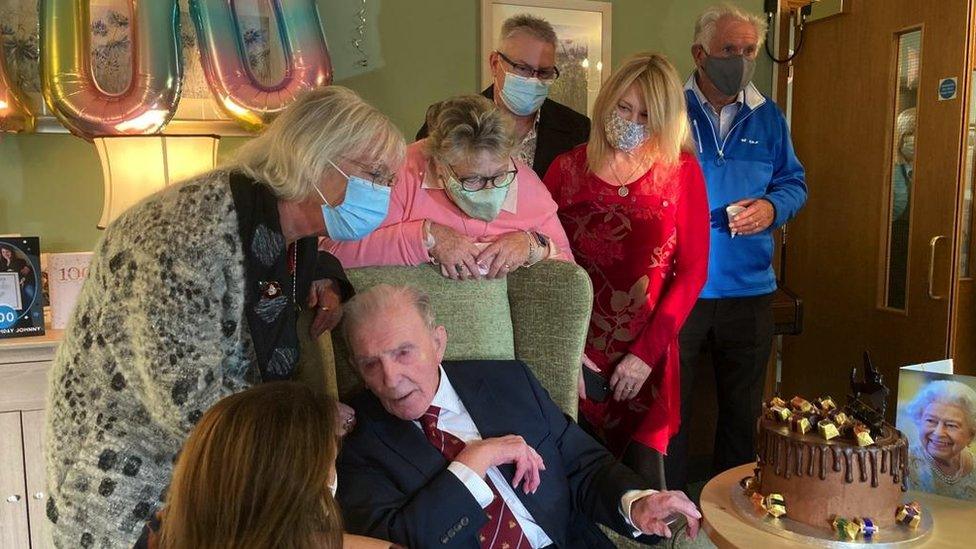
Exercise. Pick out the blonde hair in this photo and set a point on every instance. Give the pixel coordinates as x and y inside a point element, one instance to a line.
<point>708,20</point>
<point>536,27</point>
<point>323,124</point>
<point>667,118</point>
<point>255,473</point>
<point>466,125</point>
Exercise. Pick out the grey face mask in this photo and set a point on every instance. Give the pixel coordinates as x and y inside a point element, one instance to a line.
<point>623,134</point>
<point>729,74</point>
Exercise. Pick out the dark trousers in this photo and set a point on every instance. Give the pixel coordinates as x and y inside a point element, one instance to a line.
<point>738,332</point>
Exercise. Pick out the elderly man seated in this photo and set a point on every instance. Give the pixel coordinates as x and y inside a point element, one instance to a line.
<point>474,453</point>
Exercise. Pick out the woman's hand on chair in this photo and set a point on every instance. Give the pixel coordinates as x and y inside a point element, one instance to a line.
<point>506,253</point>
<point>325,298</point>
<point>455,252</point>
<point>628,377</point>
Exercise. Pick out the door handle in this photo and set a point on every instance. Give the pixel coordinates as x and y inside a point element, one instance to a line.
<point>931,282</point>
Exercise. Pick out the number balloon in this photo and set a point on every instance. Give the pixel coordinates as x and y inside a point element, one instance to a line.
<point>69,85</point>
<point>224,58</point>
<point>15,112</point>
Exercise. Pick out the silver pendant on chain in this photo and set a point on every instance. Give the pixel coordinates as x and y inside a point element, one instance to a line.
<point>623,191</point>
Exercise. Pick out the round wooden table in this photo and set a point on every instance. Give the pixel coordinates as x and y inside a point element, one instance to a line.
<point>954,520</point>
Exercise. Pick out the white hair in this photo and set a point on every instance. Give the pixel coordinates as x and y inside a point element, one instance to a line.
<point>708,20</point>
<point>946,392</point>
<point>366,305</point>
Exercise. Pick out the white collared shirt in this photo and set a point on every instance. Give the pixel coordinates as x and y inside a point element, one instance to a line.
<point>722,120</point>
<point>455,419</point>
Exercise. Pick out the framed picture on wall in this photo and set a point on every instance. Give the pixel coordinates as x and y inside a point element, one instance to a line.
<point>111,55</point>
<point>583,51</point>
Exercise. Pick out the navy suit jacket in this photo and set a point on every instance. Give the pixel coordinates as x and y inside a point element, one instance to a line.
<point>393,484</point>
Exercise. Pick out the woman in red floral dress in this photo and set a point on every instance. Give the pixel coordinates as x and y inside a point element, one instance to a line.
<point>633,204</point>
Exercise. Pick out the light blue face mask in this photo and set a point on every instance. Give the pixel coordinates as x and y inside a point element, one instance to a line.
<point>523,96</point>
<point>362,211</point>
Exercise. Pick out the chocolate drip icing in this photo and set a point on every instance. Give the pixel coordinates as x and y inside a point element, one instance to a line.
<point>810,462</point>
<point>823,462</point>
<point>791,454</point>
<point>873,458</point>
<point>849,463</point>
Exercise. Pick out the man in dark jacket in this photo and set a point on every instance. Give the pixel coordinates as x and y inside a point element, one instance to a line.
<point>523,68</point>
<point>474,454</point>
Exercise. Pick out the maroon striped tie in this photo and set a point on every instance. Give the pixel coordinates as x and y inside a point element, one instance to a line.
<point>502,530</point>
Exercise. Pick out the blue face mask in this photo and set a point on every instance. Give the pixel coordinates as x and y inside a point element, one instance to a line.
<point>362,211</point>
<point>523,96</point>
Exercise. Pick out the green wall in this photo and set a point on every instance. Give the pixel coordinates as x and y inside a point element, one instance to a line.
<point>419,51</point>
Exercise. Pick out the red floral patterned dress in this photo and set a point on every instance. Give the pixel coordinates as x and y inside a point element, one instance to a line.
<point>647,255</point>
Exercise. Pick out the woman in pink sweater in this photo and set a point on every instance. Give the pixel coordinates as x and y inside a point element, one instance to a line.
<point>462,202</point>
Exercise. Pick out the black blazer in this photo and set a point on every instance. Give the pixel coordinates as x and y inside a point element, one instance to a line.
<point>560,129</point>
<point>393,484</point>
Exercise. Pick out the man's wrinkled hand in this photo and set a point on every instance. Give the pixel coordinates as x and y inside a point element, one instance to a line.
<point>480,455</point>
<point>649,514</point>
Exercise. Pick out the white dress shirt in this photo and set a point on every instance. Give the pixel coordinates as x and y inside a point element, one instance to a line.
<point>455,419</point>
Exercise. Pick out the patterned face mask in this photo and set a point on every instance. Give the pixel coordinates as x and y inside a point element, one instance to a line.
<point>623,134</point>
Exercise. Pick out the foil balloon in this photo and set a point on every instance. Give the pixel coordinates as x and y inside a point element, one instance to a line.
<point>15,112</point>
<point>223,55</point>
<point>69,85</point>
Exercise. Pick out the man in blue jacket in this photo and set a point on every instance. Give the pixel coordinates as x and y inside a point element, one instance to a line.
<point>755,184</point>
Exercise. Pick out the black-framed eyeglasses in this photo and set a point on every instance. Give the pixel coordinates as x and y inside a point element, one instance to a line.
<point>376,175</point>
<point>528,71</point>
<point>477,183</point>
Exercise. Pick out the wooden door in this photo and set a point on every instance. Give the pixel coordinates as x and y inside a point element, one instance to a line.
<point>13,500</point>
<point>36,476</point>
<point>871,254</point>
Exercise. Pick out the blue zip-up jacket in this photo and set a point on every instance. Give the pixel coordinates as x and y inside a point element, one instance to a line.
<point>755,160</point>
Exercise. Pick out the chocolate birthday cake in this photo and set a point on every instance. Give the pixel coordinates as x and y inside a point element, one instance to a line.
<point>831,467</point>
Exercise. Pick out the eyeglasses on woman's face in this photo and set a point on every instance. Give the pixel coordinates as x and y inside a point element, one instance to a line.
<point>478,182</point>
<point>377,174</point>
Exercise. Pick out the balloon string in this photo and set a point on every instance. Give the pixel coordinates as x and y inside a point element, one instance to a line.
<point>360,40</point>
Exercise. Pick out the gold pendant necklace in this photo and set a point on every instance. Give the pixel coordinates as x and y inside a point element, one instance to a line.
<point>622,189</point>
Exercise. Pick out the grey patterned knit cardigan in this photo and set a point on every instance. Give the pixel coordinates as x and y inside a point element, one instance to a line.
<point>158,337</point>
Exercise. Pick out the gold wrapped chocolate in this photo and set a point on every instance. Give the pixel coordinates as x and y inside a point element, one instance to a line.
<point>825,403</point>
<point>909,514</point>
<point>780,413</point>
<point>863,435</point>
<point>846,529</point>
<point>777,402</point>
<point>775,505</point>
<point>800,404</point>
<point>800,425</point>
<point>839,418</point>
<point>827,430</point>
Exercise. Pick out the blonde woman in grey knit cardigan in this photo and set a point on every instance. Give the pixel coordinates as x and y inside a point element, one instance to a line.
<point>194,295</point>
